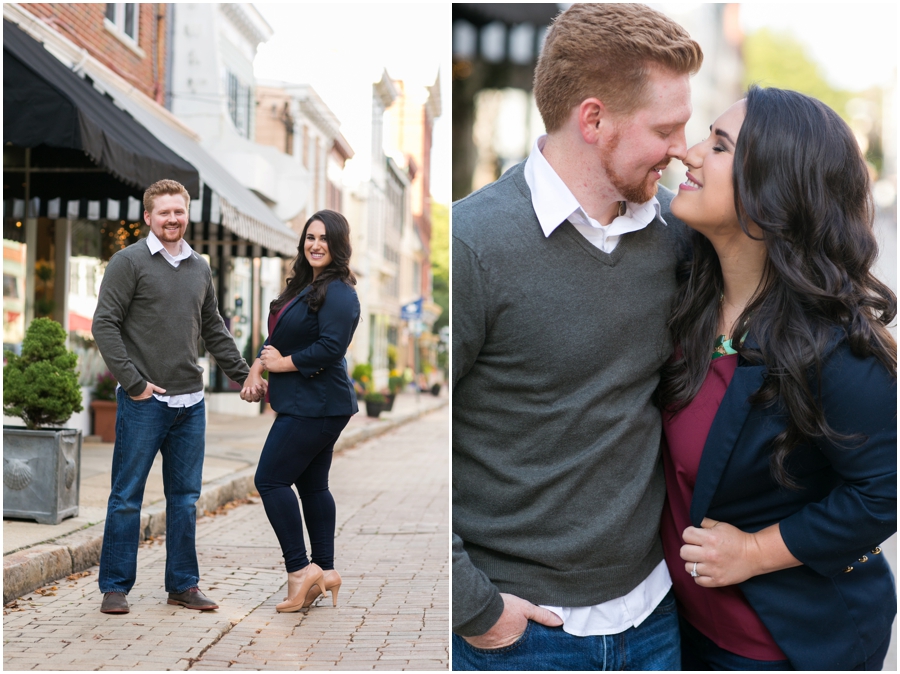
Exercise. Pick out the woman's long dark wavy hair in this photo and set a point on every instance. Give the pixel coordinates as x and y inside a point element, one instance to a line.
<point>800,176</point>
<point>337,234</point>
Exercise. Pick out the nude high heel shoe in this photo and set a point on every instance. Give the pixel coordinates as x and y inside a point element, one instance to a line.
<point>312,577</point>
<point>332,580</point>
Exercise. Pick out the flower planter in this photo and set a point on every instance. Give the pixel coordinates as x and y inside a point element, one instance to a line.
<point>105,419</point>
<point>374,409</point>
<point>41,473</point>
<point>389,401</point>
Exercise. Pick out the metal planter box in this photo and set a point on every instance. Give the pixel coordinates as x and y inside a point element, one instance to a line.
<point>41,473</point>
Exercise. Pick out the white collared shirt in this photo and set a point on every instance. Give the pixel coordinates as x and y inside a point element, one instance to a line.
<point>553,204</point>
<point>156,246</point>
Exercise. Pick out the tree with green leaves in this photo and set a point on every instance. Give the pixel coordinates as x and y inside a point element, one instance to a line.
<point>440,262</point>
<point>440,272</point>
<point>41,385</point>
<point>777,59</point>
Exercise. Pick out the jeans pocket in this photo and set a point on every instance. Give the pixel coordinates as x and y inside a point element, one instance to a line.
<point>667,605</point>
<point>505,649</point>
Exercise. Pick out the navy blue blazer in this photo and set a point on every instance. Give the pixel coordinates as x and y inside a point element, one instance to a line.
<point>835,610</point>
<point>317,343</point>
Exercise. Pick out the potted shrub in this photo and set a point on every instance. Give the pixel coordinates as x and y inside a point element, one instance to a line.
<point>362,377</point>
<point>41,465</point>
<point>104,405</point>
<point>395,385</point>
<point>374,403</point>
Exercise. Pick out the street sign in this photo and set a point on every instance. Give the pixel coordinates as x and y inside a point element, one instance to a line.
<point>412,311</point>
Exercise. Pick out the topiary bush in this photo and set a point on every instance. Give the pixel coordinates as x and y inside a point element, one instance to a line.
<point>41,386</point>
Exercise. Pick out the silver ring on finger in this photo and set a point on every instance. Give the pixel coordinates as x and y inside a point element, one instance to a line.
<point>694,573</point>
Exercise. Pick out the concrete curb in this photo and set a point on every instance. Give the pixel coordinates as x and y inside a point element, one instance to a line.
<point>28,569</point>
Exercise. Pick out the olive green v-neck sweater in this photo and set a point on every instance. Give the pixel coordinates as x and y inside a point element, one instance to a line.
<point>557,480</point>
<point>149,320</point>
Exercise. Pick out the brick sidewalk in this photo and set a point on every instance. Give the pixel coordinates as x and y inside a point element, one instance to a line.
<point>392,495</point>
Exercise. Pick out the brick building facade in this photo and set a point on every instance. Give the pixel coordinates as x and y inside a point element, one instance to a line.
<point>135,49</point>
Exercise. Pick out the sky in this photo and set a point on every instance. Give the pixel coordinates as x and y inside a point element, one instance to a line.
<point>855,43</point>
<point>342,49</point>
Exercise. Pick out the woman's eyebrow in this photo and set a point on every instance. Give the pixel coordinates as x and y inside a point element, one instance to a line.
<point>724,134</point>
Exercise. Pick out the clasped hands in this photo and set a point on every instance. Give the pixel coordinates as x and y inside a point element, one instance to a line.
<point>270,359</point>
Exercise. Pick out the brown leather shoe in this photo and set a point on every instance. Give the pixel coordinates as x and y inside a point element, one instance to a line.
<point>192,598</point>
<point>114,602</point>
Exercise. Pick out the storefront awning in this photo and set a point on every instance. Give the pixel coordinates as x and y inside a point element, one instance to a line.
<point>45,103</point>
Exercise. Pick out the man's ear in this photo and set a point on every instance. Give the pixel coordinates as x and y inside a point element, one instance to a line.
<point>592,118</point>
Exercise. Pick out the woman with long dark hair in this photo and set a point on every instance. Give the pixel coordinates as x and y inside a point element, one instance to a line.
<point>779,405</point>
<point>310,327</point>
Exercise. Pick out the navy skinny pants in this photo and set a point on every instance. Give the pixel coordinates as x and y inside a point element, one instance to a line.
<point>298,452</point>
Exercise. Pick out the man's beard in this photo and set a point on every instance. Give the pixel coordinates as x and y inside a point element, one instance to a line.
<point>633,193</point>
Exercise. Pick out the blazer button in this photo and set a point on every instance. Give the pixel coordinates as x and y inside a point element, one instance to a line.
<point>848,569</point>
<point>876,551</point>
<point>864,559</point>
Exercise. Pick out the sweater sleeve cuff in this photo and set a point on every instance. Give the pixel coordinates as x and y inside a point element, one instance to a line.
<point>484,620</point>
<point>136,389</point>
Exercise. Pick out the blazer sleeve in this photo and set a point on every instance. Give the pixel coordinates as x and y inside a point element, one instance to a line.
<point>338,317</point>
<point>859,396</point>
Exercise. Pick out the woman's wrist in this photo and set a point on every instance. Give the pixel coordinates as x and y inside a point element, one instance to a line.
<point>769,553</point>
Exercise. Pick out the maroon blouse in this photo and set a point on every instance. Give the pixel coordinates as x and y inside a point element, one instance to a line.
<point>722,614</point>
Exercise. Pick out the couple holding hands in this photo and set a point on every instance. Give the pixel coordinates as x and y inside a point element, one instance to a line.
<point>674,416</point>
<point>156,301</point>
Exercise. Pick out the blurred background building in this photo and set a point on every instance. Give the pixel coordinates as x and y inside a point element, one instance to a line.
<point>101,100</point>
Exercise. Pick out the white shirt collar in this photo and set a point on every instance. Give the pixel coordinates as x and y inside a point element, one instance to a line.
<point>156,246</point>
<point>554,203</point>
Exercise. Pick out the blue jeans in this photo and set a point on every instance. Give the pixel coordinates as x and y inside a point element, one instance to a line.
<point>651,646</point>
<point>298,452</point>
<point>179,434</point>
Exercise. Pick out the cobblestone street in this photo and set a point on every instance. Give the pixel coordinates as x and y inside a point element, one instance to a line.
<point>392,495</point>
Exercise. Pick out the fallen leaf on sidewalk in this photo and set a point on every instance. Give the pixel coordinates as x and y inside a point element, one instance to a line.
<point>12,607</point>
<point>76,576</point>
<point>231,505</point>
